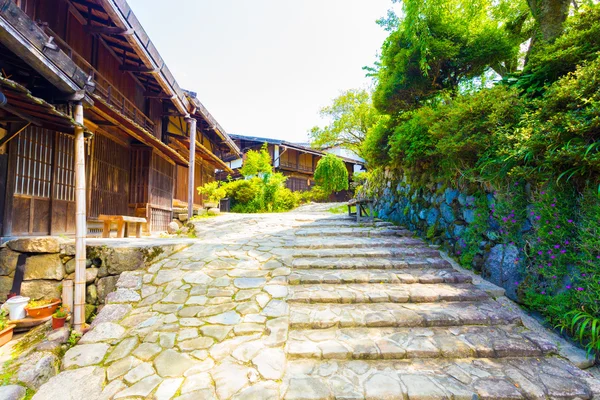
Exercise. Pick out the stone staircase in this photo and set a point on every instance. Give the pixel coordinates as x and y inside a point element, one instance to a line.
<point>377,314</point>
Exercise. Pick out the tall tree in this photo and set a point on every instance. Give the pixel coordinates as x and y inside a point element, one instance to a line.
<point>440,44</point>
<point>351,116</point>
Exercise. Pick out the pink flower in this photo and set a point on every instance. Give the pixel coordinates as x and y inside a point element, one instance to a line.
<point>580,289</point>
<point>568,286</point>
<point>570,221</point>
<point>563,251</point>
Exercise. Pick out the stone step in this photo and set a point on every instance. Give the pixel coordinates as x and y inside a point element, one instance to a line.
<point>424,252</point>
<point>384,293</point>
<point>353,242</point>
<point>345,222</point>
<point>321,316</point>
<point>408,276</point>
<point>354,232</point>
<point>364,263</point>
<point>423,343</point>
<point>422,379</point>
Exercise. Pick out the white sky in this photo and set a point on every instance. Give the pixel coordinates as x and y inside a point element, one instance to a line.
<point>266,67</point>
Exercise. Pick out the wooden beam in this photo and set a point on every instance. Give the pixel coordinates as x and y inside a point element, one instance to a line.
<point>26,39</point>
<point>14,131</point>
<point>102,122</point>
<point>21,115</point>
<point>138,68</point>
<point>107,30</point>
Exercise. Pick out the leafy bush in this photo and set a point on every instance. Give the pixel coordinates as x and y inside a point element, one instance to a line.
<point>213,190</point>
<point>331,174</point>
<point>263,190</point>
<point>316,194</point>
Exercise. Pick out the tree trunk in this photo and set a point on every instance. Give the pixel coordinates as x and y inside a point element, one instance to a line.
<point>550,16</point>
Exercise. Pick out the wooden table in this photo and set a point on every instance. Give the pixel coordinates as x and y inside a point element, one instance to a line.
<point>121,221</point>
<point>364,209</point>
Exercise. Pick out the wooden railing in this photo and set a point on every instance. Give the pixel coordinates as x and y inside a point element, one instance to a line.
<point>104,88</point>
<point>297,167</point>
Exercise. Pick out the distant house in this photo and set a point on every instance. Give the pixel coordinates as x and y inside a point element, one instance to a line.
<point>296,161</point>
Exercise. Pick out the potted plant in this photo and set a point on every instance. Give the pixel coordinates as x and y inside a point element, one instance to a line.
<point>59,317</point>
<point>42,308</point>
<point>214,192</point>
<point>6,329</point>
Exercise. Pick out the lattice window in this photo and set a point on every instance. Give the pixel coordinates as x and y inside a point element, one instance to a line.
<point>34,163</point>
<point>65,167</point>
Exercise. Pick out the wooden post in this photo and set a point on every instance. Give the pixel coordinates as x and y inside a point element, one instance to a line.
<point>67,294</point>
<point>80,222</point>
<point>192,128</point>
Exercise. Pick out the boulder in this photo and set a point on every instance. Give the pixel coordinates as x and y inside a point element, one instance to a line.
<point>12,392</point>
<point>37,369</point>
<point>447,213</point>
<point>450,195</point>
<point>91,296</point>
<point>502,268</point>
<point>46,266</point>
<point>124,259</point>
<point>8,261</point>
<point>70,266</point>
<point>105,286</point>
<point>432,216</point>
<point>173,227</point>
<point>214,211</point>
<point>67,385</point>
<point>43,244</point>
<point>41,289</point>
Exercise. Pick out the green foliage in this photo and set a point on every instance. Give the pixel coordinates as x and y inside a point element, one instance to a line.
<point>331,174</point>
<point>257,162</point>
<point>261,194</point>
<point>440,44</point>
<point>562,132</point>
<point>533,139</point>
<point>213,190</point>
<point>316,194</point>
<point>375,148</point>
<point>264,191</point>
<point>580,42</point>
<point>351,114</point>
<point>3,320</point>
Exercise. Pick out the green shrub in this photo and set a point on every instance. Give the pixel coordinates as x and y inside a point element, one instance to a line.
<point>331,174</point>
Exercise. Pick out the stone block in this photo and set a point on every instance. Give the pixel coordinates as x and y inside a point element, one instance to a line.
<point>43,244</point>
<point>8,261</point>
<point>41,289</point>
<point>124,259</point>
<point>105,286</point>
<point>47,266</point>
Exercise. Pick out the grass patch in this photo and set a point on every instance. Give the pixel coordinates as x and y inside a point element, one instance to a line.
<point>343,209</point>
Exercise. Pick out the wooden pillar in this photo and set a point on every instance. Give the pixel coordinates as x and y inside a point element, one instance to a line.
<point>80,222</point>
<point>191,171</point>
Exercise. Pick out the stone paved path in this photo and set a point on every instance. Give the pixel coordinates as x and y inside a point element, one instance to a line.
<point>309,306</point>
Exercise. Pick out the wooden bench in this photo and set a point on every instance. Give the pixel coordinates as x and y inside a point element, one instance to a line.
<point>121,221</point>
<point>364,209</point>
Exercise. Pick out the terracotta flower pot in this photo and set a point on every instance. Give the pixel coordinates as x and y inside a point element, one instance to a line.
<point>43,311</point>
<point>58,322</point>
<point>6,335</point>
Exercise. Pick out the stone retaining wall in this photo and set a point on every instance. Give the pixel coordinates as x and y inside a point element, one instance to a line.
<point>444,216</point>
<point>50,260</point>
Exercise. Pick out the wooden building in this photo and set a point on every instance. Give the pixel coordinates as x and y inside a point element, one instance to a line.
<point>140,126</point>
<point>296,161</point>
